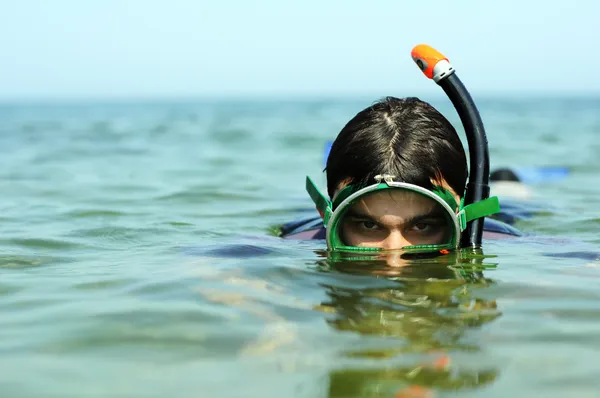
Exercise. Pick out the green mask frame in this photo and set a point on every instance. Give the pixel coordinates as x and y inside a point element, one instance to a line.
<point>333,212</point>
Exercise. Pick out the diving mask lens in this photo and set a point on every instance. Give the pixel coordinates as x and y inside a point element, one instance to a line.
<point>393,215</point>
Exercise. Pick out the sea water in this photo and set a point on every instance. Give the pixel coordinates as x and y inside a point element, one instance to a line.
<point>139,257</point>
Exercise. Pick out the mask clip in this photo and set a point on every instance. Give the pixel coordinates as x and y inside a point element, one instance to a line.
<point>388,178</point>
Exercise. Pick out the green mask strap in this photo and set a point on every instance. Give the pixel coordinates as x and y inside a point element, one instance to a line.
<point>483,208</point>
<point>323,204</point>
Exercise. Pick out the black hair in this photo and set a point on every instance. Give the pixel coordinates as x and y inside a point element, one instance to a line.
<point>407,138</point>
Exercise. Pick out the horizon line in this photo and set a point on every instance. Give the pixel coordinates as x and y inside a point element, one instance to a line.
<point>291,96</point>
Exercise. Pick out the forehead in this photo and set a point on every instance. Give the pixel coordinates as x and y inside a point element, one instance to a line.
<point>395,202</point>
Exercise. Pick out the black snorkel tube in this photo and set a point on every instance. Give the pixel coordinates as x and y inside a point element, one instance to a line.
<point>437,67</point>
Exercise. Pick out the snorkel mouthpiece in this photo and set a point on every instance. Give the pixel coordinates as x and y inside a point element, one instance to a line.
<point>437,67</point>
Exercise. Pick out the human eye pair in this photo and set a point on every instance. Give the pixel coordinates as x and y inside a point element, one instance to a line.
<point>422,226</point>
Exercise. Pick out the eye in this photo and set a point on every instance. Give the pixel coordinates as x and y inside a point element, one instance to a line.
<point>427,226</point>
<point>367,224</point>
<point>422,226</point>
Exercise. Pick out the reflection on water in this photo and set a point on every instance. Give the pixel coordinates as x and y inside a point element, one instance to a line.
<point>427,313</point>
<point>410,326</point>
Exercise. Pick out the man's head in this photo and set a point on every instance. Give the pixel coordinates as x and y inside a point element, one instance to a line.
<point>407,138</point>
<point>410,140</point>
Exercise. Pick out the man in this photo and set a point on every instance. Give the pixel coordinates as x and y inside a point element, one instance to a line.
<point>410,141</point>
<point>407,145</point>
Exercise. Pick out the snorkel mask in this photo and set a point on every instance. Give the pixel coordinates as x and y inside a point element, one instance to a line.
<point>444,224</point>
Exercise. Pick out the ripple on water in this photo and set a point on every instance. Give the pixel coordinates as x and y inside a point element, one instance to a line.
<point>127,267</point>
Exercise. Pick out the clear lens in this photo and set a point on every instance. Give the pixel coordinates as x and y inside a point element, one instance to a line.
<point>393,219</point>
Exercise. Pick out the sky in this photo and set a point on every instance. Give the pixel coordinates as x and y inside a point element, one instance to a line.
<point>198,48</point>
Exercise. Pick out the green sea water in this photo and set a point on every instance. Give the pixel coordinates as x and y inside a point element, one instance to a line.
<point>138,258</point>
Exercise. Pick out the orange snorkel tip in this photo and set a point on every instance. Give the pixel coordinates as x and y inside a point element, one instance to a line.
<point>432,63</point>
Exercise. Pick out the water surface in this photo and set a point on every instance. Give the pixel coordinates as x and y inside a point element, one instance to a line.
<point>138,259</point>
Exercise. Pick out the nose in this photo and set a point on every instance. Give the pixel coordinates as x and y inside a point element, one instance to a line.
<point>394,241</point>
<point>394,260</point>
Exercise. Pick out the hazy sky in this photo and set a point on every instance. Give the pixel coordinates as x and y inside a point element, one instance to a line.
<point>135,48</point>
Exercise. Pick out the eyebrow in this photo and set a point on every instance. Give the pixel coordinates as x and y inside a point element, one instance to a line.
<point>436,213</point>
<point>357,214</point>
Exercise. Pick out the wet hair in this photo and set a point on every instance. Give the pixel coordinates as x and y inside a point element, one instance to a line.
<point>405,137</point>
